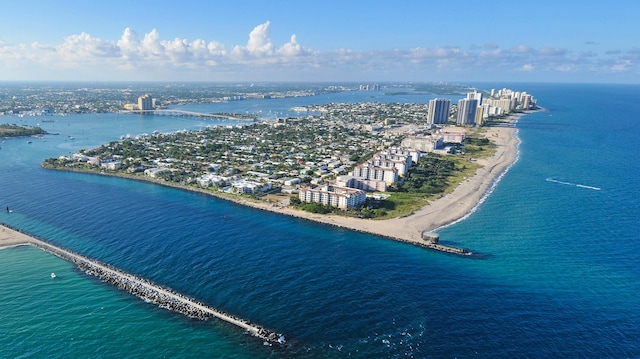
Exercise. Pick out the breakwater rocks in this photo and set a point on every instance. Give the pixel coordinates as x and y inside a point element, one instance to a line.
<point>170,300</point>
<point>154,293</point>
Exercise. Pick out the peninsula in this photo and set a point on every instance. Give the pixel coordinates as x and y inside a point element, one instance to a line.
<point>385,169</point>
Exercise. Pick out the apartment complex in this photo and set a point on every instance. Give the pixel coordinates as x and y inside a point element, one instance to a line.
<point>438,111</point>
<point>467,111</point>
<point>145,102</point>
<point>335,196</point>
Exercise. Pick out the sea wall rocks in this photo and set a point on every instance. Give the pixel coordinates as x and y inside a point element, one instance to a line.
<point>153,293</point>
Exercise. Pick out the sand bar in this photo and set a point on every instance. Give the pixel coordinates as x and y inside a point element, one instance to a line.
<point>10,238</point>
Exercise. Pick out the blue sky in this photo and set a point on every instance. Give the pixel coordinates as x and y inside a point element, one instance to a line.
<point>401,40</point>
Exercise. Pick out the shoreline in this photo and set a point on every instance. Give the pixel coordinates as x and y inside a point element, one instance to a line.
<point>453,207</point>
<point>447,210</point>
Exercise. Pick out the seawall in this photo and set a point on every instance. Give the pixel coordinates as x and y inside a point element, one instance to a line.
<point>150,292</point>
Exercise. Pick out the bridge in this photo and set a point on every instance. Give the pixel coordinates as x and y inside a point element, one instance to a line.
<point>183,113</point>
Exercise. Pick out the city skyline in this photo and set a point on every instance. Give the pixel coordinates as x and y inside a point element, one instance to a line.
<point>328,41</point>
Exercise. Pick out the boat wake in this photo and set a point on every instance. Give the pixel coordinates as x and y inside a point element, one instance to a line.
<point>573,184</point>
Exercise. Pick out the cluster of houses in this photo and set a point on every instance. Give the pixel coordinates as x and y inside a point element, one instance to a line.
<point>318,149</point>
<point>382,170</point>
<point>348,190</point>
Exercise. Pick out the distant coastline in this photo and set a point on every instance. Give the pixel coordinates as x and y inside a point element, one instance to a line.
<point>448,209</point>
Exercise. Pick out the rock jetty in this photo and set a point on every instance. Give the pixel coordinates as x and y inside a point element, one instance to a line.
<point>153,293</point>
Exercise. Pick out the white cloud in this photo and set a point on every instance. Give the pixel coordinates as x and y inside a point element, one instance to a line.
<point>151,45</point>
<point>621,66</point>
<point>291,48</point>
<point>151,56</point>
<point>83,47</point>
<point>259,40</point>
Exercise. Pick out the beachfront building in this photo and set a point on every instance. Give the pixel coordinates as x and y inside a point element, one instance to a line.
<point>423,143</point>
<point>212,179</point>
<point>392,158</point>
<point>490,111</point>
<point>500,106</point>
<point>368,171</point>
<point>508,100</point>
<point>381,170</point>
<point>438,111</point>
<point>111,164</point>
<point>407,151</point>
<point>334,196</point>
<point>467,111</point>
<point>361,183</point>
<point>155,172</point>
<point>452,134</point>
<point>249,186</point>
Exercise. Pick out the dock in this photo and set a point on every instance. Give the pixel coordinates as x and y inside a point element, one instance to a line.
<point>148,291</point>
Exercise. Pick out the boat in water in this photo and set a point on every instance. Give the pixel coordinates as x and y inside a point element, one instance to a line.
<point>53,275</point>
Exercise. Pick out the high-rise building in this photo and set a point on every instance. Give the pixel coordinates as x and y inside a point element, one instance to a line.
<point>145,102</point>
<point>475,95</point>
<point>479,116</point>
<point>438,110</point>
<point>467,111</point>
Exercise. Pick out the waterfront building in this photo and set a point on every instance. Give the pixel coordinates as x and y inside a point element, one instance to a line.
<point>111,165</point>
<point>371,87</point>
<point>145,102</point>
<point>249,186</point>
<point>526,101</point>
<point>334,196</point>
<point>156,171</point>
<point>438,111</point>
<point>211,179</point>
<point>467,111</point>
<point>502,105</point>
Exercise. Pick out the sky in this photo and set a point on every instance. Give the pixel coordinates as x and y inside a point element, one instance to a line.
<point>321,40</point>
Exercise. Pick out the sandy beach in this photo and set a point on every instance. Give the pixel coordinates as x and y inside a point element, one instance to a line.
<point>441,212</point>
<point>10,238</point>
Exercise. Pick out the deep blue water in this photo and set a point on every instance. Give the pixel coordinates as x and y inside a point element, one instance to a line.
<point>559,234</point>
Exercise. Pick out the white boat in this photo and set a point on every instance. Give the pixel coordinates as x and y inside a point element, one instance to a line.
<point>53,275</point>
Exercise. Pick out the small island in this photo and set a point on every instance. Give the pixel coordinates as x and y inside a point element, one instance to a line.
<point>7,130</point>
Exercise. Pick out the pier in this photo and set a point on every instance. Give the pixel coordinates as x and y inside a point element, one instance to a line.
<point>146,290</point>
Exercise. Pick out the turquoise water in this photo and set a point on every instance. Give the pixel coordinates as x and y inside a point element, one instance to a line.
<point>558,276</point>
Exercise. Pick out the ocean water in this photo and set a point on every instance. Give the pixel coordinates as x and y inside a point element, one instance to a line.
<point>558,276</point>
